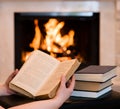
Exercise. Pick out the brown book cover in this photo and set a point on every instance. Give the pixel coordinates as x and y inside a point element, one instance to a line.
<point>96,73</point>
<point>91,86</point>
<point>39,77</point>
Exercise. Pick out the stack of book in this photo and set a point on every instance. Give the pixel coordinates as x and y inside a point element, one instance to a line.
<point>94,81</point>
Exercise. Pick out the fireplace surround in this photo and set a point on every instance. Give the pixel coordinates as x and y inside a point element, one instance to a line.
<point>107,53</point>
<point>85,26</point>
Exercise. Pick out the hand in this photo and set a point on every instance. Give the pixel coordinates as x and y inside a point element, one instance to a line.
<point>65,89</point>
<point>6,89</point>
<point>1,107</point>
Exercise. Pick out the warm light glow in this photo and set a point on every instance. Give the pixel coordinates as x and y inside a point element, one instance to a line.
<point>53,42</point>
<point>25,56</point>
<point>37,38</point>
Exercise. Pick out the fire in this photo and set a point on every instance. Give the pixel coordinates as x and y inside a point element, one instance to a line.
<point>53,42</point>
<point>37,38</point>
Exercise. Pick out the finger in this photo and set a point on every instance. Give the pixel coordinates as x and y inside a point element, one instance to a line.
<point>63,81</point>
<point>72,83</point>
<point>16,71</point>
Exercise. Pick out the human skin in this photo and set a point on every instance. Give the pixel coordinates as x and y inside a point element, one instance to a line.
<point>63,93</point>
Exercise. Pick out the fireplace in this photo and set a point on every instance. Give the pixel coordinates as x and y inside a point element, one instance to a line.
<point>75,35</point>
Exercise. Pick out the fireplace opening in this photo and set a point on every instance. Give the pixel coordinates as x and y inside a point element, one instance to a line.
<point>63,35</point>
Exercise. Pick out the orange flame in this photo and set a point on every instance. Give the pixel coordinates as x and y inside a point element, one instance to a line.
<point>37,38</point>
<point>53,42</point>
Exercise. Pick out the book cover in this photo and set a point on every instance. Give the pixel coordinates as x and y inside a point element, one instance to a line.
<point>91,94</point>
<point>96,73</point>
<point>91,86</point>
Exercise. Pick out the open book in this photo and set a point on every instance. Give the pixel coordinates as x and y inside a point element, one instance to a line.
<point>39,77</point>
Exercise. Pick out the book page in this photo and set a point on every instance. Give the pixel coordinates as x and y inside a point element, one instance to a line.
<point>35,71</point>
<point>68,67</point>
<point>65,67</point>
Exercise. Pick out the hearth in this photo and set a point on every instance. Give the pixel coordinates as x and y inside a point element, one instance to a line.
<point>63,35</point>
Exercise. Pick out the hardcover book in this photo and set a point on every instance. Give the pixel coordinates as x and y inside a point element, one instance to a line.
<point>39,77</point>
<point>91,94</point>
<point>91,86</point>
<point>96,73</point>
